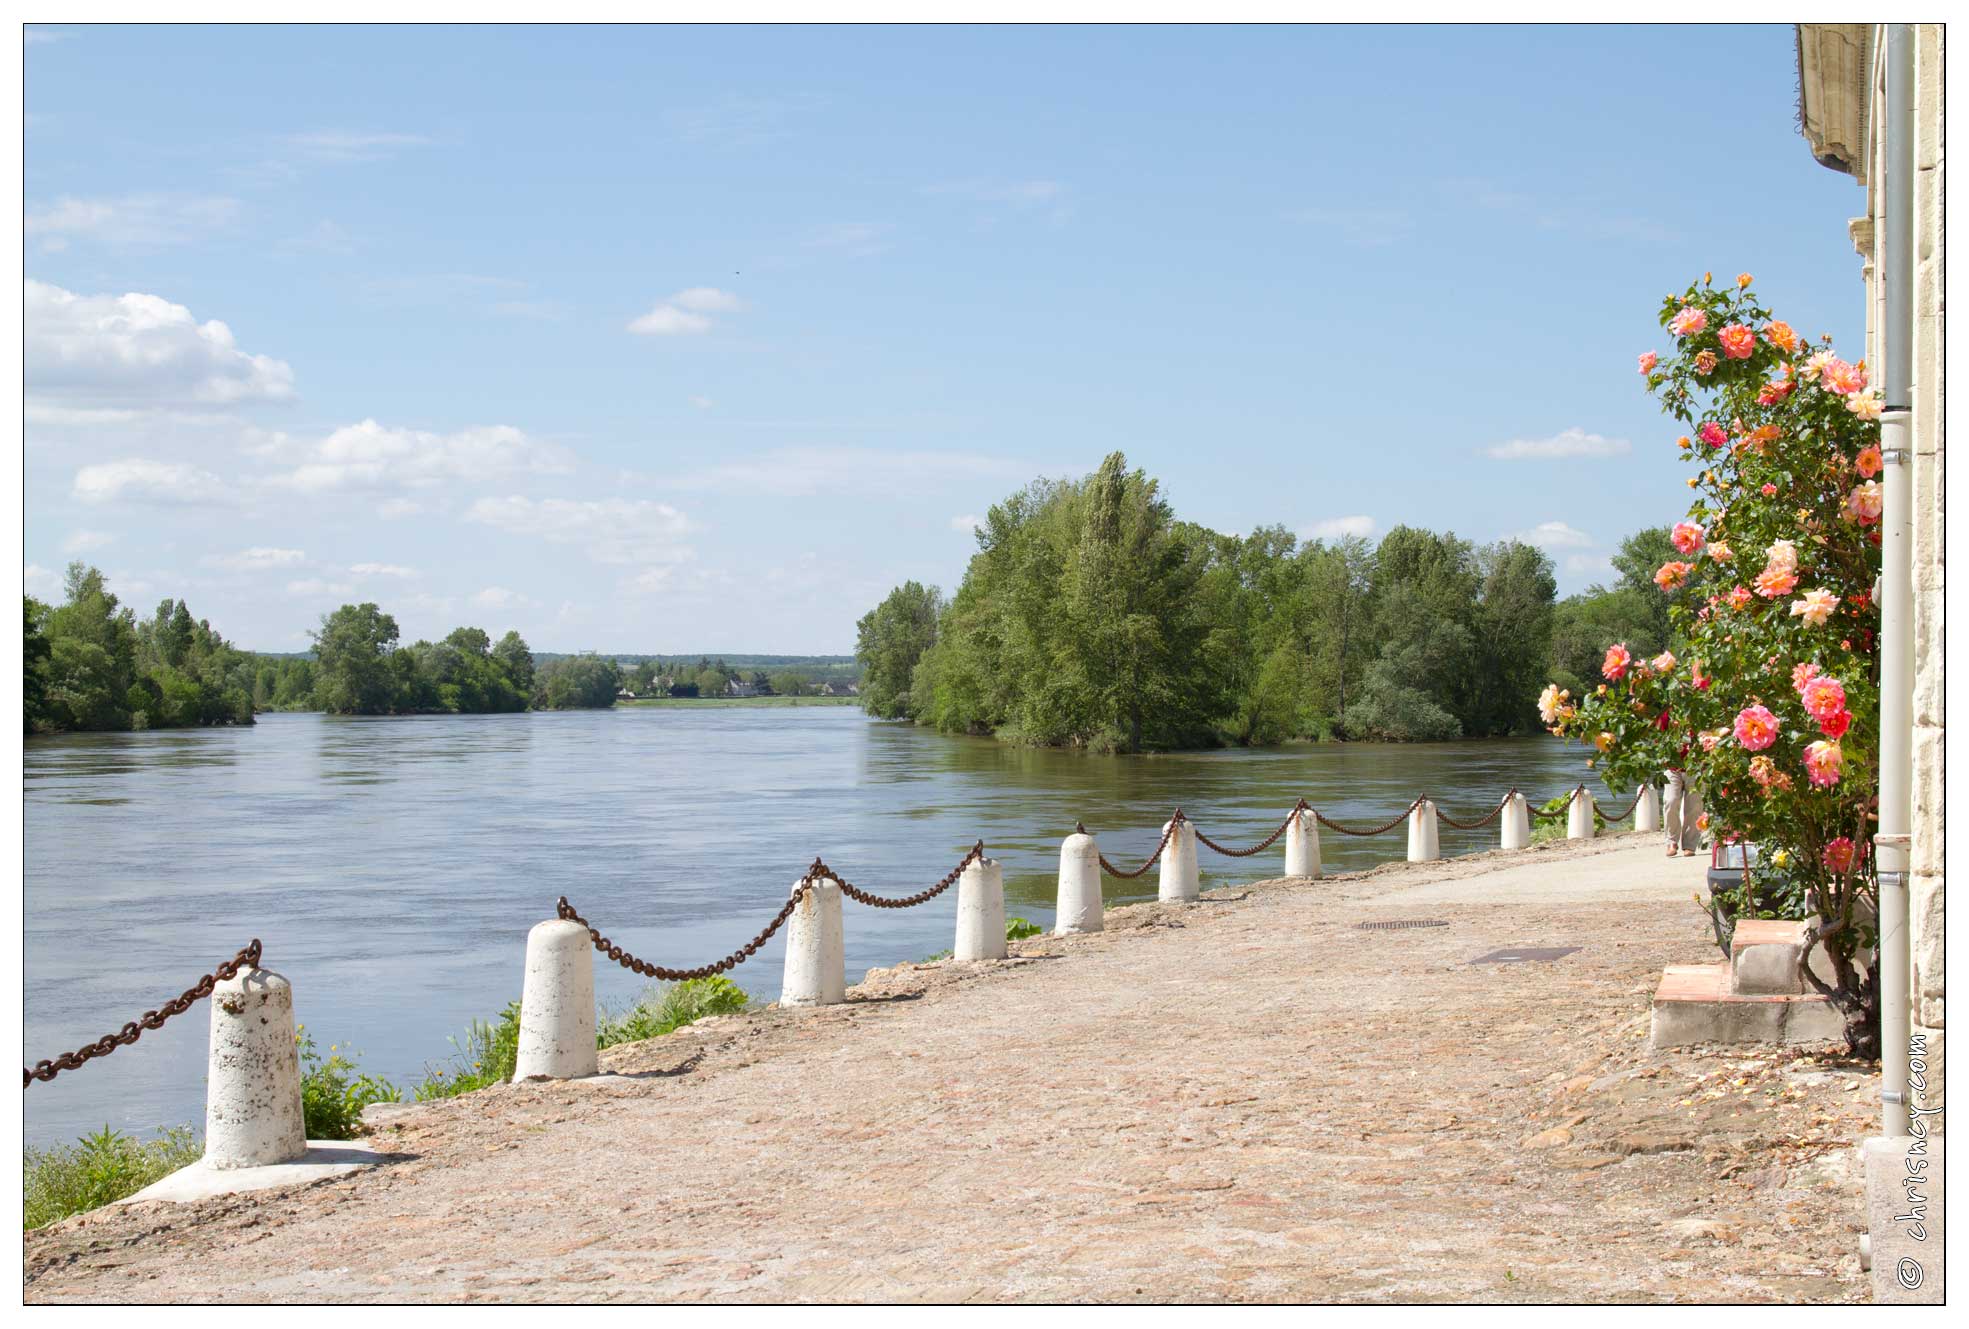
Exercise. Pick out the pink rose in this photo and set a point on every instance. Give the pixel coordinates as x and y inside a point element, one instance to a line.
<point>1614,667</point>
<point>1738,341</point>
<point>1822,761</point>
<point>1756,728</point>
<point>1822,695</point>
<point>1687,537</point>
<point>1689,322</point>
<point>1648,361</point>
<point>1839,855</point>
<point>1712,434</point>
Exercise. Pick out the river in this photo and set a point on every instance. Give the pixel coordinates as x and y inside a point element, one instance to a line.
<point>392,867</point>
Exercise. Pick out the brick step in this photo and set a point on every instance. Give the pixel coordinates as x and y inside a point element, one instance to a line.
<point>1696,1003</point>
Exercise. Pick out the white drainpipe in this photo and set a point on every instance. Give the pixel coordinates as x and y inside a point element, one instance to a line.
<point>1897,584</point>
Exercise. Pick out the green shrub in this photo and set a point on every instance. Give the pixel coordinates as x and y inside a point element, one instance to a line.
<point>332,1094</point>
<point>1554,827</point>
<point>666,1007</point>
<point>97,1170</point>
<point>1018,929</point>
<point>485,1057</point>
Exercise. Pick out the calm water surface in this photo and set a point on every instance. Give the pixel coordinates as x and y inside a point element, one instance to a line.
<point>393,866</point>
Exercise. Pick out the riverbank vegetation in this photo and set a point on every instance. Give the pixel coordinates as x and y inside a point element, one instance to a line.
<point>91,664</point>
<point>1092,616</point>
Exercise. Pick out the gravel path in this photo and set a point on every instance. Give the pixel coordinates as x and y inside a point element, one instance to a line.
<point>1248,1099</point>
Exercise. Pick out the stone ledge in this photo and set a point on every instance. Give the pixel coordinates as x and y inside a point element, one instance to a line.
<point>1694,1004</point>
<point>325,1158</point>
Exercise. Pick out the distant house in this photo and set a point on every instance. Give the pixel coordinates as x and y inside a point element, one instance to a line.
<point>734,688</point>
<point>624,694</point>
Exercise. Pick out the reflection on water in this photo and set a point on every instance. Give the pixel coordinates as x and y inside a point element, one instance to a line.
<point>393,867</point>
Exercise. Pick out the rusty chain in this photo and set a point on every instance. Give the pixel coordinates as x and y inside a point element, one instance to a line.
<point>1623,814</point>
<point>249,958</point>
<point>1262,845</point>
<point>818,872</point>
<point>1481,822</point>
<point>821,872</point>
<point>1562,809</point>
<point>1161,845</point>
<point>1378,830</point>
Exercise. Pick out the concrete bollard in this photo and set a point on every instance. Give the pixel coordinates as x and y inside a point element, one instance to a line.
<point>557,1004</point>
<point>1179,878</point>
<point>1516,822</point>
<point>1579,815</point>
<point>981,911</point>
<point>1647,809</point>
<point>253,1087</point>
<point>1078,908</point>
<point>1424,845</point>
<point>816,965</point>
<point>1302,845</point>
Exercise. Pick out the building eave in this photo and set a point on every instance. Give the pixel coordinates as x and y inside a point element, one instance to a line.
<point>1835,64</point>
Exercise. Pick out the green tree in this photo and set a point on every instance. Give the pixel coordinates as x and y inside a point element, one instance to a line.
<point>355,673</point>
<point>577,683</point>
<point>889,640</point>
<point>34,667</point>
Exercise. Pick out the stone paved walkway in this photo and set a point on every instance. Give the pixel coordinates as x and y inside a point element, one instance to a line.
<point>1247,1099</point>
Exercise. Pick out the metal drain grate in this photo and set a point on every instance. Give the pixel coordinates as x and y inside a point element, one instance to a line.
<point>1396,924</point>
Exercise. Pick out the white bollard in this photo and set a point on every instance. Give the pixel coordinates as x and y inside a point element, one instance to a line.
<point>1078,908</point>
<point>981,911</point>
<point>253,1086</point>
<point>557,1004</point>
<point>1178,879</point>
<point>1302,845</point>
<point>1579,815</point>
<point>1516,819</point>
<point>1647,809</point>
<point>1423,844</point>
<point>816,966</point>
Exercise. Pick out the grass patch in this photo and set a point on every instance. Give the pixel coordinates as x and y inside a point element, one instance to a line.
<point>1018,929</point>
<point>333,1094</point>
<point>664,1007</point>
<point>97,1170</point>
<point>1554,828</point>
<point>485,1057</point>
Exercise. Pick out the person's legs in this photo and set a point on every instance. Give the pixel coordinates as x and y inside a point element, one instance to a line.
<point>1671,811</point>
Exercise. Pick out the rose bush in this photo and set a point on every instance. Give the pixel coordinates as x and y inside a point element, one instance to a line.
<point>1770,697</point>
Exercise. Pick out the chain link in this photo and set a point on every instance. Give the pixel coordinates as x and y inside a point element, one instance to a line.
<point>1623,814</point>
<point>248,958</point>
<point>1390,825</point>
<point>821,872</point>
<point>1571,794</point>
<point>1161,845</point>
<point>1262,845</point>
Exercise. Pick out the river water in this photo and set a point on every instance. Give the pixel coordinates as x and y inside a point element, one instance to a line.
<point>392,867</point>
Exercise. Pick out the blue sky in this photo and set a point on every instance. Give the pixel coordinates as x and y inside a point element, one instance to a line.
<point>700,338</point>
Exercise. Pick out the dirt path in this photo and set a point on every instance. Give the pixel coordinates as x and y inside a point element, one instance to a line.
<point>1246,1099</point>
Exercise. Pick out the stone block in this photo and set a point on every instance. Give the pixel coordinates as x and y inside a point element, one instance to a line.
<point>1904,1217</point>
<point>1694,1004</point>
<point>1763,970</point>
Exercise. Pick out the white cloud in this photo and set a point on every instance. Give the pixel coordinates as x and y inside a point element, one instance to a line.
<point>664,321</point>
<point>137,348</point>
<point>138,221</point>
<point>382,570</point>
<point>260,558</point>
<point>498,597</point>
<point>856,239</point>
<point>41,582</point>
<point>352,145</point>
<point>395,508</point>
<point>369,456</point>
<point>1598,566</point>
<point>158,483</point>
<point>966,523</point>
<point>702,403</point>
<point>685,313</point>
<point>324,237</point>
<point>1335,528</point>
<point>1024,193</point>
<point>613,530</point>
<point>312,587</point>
<point>799,471</point>
<point>1554,535</point>
<point>1574,442</point>
<point>739,122</point>
<point>41,413</point>
<point>82,541</point>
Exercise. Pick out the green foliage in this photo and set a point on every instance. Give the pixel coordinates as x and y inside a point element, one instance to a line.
<point>333,1094</point>
<point>1091,616</point>
<point>360,670</point>
<point>889,641</point>
<point>670,1006</point>
<point>582,682</point>
<point>1018,929</point>
<point>484,1057</point>
<point>92,665</point>
<point>98,1169</point>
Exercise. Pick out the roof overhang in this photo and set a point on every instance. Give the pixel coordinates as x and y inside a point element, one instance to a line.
<point>1835,66</point>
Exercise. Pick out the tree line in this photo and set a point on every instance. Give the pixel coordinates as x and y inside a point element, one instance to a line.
<point>1092,616</point>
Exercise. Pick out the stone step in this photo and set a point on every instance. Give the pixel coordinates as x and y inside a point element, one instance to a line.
<point>1695,1003</point>
<point>1766,955</point>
